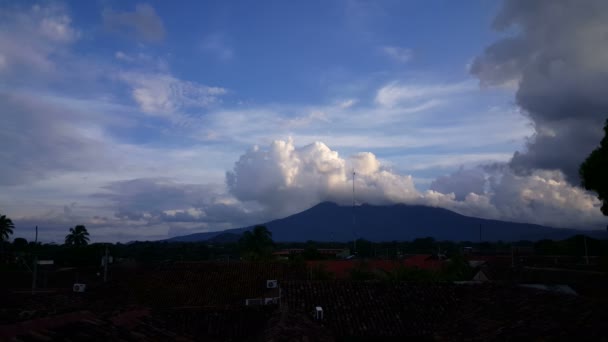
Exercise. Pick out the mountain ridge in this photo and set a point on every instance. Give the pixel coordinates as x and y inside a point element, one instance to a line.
<point>328,221</point>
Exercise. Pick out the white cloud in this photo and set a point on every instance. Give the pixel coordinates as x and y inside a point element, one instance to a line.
<point>284,179</point>
<point>461,183</point>
<point>72,158</point>
<point>348,103</point>
<point>163,94</point>
<point>275,181</point>
<point>439,160</point>
<point>217,44</point>
<point>31,37</point>
<point>395,93</point>
<point>58,28</point>
<point>123,56</point>
<point>397,54</point>
<point>545,197</point>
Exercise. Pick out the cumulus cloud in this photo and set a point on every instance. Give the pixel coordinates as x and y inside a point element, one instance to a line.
<point>541,197</point>
<point>163,94</point>
<point>144,23</point>
<point>284,179</point>
<point>281,178</point>
<point>557,57</point>
<point>461,183</point>
<point>545,197</point>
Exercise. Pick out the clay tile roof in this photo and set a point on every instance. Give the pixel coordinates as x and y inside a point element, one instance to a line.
<point>84,325</point>
<point>287,325</point>
<point>209,284</point>
<point>445,311</point>
<point>341,268</point>
<point>373,308</point>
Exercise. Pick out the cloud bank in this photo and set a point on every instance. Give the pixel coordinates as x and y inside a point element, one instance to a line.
<point>94,135</point>
<point>283,179</point>
<point>556,59</point>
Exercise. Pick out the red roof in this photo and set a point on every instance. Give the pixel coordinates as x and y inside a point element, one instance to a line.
<point>341,268</point>
<point>328,251</point>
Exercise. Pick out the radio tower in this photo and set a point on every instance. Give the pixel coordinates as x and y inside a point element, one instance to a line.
<point>354,231</point>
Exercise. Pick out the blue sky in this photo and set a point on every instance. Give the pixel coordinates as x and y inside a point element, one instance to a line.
<point>147,120</point>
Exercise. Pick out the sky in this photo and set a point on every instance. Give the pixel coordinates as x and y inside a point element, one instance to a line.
<point>147,120</point>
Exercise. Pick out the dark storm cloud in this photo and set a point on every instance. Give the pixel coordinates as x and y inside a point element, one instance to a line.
<point>556,52</point>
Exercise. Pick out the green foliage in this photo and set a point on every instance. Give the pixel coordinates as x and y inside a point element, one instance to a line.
<point>257,244</point>
<point>320,272</point>
<point>362,271</point>
<point>78,236</point>
<point>154,252</point>
<point>402,273</point>
<point>594,171</point>
<point>456,268</point>
<point>311,253</point>
<point>574,246</point>
<point>423,245</point>
<point>20,244</point>
<point>365,248</point>
<point>6,227</point>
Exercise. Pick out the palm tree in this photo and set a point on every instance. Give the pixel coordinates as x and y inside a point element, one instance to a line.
<point>78,236</point>
<point>6,228</point>
<point>257,245</point>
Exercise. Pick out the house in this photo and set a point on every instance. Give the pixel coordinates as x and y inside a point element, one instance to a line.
<point>341,269</point>
<point>207,301</point>
<point>330,252</point>
<point>443,311</point>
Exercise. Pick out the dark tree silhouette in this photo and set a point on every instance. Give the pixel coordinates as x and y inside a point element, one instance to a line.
<point>6,228</point>
<point>20,244</point>
<point>257,244</point>
<point>594,171</point>
<point>78,236</point>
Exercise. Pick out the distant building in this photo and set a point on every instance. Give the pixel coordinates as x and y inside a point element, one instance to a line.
<point>333,252</point>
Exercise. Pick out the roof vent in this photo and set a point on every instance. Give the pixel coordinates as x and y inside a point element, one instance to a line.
<point>272,284</point>
<point>318,313</point>
<point>79,287</point>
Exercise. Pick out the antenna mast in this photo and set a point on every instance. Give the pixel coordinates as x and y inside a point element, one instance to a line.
<point>354,232</point>
<point>106,259</point>
<point>35,262</point>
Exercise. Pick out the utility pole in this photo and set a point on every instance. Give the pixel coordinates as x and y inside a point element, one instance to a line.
<point>354,231</point>
<point>35,261</point>
<point>586,251</point>
<point>480,239</point>
<point>512,256</point>
<point>105,266</point>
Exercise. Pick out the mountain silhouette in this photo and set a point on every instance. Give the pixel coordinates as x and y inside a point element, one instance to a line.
<point>331,222</point>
